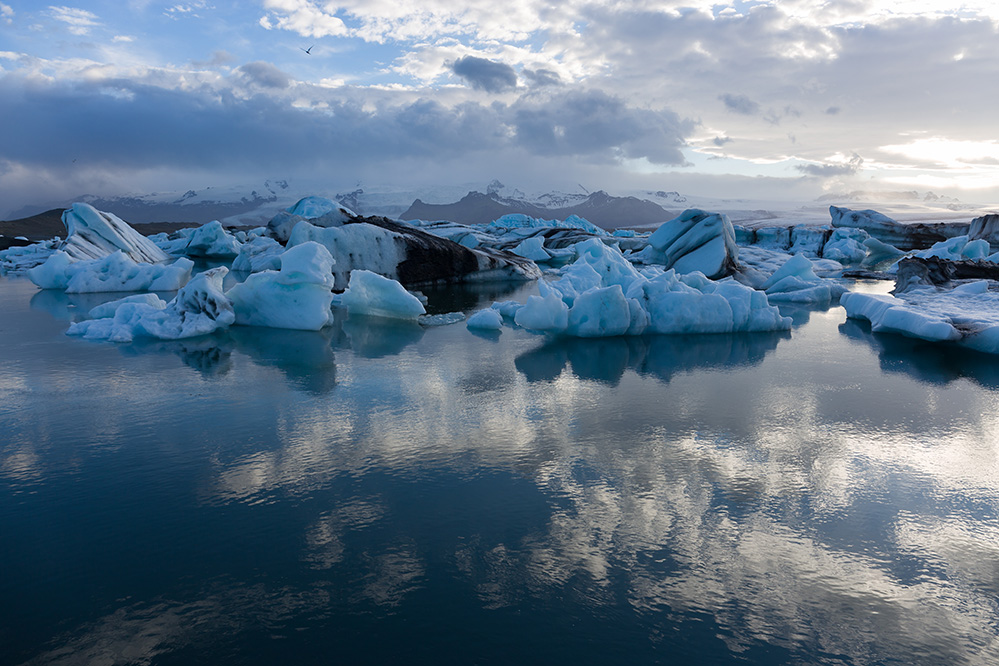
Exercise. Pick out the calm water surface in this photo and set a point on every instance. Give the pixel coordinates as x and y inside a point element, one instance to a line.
<point>375,494</point>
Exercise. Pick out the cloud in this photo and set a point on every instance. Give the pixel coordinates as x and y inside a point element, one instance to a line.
<point>721,140</point>
<point>488,75</point>
<point>266,75</point>
<point>303,17</point>
<point>80,21</point>
<point>540,78</point>
<point>740,104</point>
<point>832,170</point>
<point>6,14</point>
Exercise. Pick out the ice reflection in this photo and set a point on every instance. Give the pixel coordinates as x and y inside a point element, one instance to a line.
<point>661,356</point>
<point>931,362</point>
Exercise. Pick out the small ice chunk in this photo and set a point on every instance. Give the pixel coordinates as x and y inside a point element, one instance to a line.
<point>374,295</point>
<point>486,319</point>
<point>533,248</point>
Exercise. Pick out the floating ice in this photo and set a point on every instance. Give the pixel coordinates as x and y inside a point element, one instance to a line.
<point>378,296</point>
<point>695,241</point>
<point>208,240</point>
<point>796,282</point>
<point>199,308</point>
<point>409,255</point>
<point>319,211</point>
<point>520,220</point>
<point>260,253</point>
<point>967,314</point>
<point>298,296</point>
<point>602,295</point>
<point>93,234</point>
<point>846,246</point>
<point>487,319</point>
<point>533,248</point>
<point>115,272</point>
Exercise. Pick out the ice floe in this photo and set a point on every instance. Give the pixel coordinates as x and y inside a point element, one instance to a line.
<point>298,296</point>
<point>210,240</point>
<point>199,308</point>
<point>602,295</point>
<point>114,272</point>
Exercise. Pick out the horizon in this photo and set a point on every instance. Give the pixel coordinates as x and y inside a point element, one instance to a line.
<point>788,100</point>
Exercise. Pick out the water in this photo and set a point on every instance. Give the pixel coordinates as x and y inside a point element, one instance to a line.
<point>376,494</point>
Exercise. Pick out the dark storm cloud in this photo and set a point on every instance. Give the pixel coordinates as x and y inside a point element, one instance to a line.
<point>266,75</point>
<point>482,74</point>
<point>740,104</point>
<point>149,127</point>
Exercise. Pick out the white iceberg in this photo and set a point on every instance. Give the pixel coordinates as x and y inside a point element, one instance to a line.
<point>522,221</point>
<point>796,282</point>
<point>92,234</point>
<point>847,246</point>
<point>260,253</point>
<point>199,308</point>
<point>319,211</point>
<point>375,295</point>
<point>114,272</point>
<point>603,295</point>
<point>486,319</point>
<point>298,296</point>
<point>696,241</point>
<point>533,248</point>
<point>209,240</point>
<point>967,315</point>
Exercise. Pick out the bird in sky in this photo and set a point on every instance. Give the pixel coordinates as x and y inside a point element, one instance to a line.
<point>308,51</point>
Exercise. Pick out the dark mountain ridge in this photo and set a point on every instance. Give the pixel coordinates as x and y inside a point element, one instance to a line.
<point>600,208</point>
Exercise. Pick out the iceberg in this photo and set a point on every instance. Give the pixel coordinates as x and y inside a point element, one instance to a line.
<point>847,246</point>
<point>375,295</point>
<point>409,255</point>
<point>93,234</point>
<point>487,319</point>
<point>199,308</point>
<point>114,272</point>
<point>209,240</point>
<point>260,253</point>
<point>319,211</point>
<point>796,282</point>
<point>521,221</point>
<point>887,230</point>
<point>695,241</point>
<point>602,295</point>
<point>533,248</point>
<point>966,314</point>
<point>298,296</point>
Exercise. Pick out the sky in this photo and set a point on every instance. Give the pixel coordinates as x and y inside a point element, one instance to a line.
<point>787,99</point>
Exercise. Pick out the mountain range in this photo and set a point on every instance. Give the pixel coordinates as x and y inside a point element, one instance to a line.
<point>600,208</point>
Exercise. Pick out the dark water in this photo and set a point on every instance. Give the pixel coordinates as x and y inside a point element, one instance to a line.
<point>376,494</point>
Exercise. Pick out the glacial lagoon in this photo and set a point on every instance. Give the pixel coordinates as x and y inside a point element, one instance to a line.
<point>380,493</point>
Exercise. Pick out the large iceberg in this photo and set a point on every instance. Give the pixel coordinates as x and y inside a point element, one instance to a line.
<point>695,241</point>
<point>199,308</point>
<point>520,221</point>
<point>114,272</point>
<point>409,255</point>
<point>93,234</point>
<point>603,295</point>
<point>887,230</point>
<point>298,296</point>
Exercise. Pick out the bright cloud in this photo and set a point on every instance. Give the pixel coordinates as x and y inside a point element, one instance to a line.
<point>80,21</point>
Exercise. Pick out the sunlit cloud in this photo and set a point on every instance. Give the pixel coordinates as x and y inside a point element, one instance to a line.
<point>80,21</point>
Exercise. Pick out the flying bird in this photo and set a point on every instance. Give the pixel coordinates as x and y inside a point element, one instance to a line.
<point>308,51</point>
